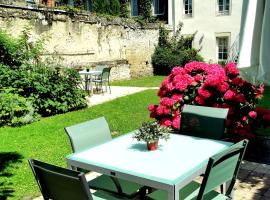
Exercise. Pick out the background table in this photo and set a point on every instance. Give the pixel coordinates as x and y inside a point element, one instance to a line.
<point>173,165</point>
<point>88,78</point>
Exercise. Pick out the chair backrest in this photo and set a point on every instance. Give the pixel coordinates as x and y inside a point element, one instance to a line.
<point>100,67</point>
<point>202,121</point>
<point>59,183</point>
<point>223,167</point>
<point>106,73</point>
<point>88,134</point>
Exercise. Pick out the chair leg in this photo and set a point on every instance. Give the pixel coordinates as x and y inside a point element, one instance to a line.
<point>109,86</point>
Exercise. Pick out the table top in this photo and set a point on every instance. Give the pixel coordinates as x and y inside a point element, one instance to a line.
<point>172,162</point>
<point>84,72</point>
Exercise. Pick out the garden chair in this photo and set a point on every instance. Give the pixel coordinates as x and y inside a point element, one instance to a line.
<point>103,79</point>
<point>100,67</point>
<point>59,183</point>
<point>222,167</point>
<point>89,134</point>
<point>204,122</point>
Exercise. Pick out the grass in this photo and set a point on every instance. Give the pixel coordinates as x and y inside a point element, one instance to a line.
<point>149,81</point>
<point>46,140</point>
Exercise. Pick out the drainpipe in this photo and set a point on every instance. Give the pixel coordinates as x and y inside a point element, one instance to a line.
<point>173,16</point>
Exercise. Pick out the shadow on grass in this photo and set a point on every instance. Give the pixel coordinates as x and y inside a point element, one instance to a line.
<point>7,159</point>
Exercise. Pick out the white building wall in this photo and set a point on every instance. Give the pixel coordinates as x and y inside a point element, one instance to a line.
<point>208,24</point>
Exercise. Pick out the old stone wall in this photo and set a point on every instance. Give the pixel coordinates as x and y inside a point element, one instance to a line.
<point>80,40</point>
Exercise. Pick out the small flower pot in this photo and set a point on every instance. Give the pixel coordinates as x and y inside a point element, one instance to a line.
<point>152,145</point>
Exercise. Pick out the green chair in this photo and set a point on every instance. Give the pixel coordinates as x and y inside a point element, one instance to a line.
<point>204,122</point>
<point>222,167</point>
<point>103,79</point>
<point>92,133</point>
<point>100,67</point>
<point>59,183</point>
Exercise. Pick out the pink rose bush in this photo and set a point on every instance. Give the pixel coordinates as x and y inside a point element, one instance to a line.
<point>211,85</point>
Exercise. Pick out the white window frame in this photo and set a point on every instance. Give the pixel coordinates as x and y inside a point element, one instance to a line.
<point>222,37</point>
<point>189,13</point>
<point>223,11</point>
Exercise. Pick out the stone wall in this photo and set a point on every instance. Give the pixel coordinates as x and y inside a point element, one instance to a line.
<point>80,40</point>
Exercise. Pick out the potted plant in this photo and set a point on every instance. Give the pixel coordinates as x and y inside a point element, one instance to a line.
<point>151,132</point>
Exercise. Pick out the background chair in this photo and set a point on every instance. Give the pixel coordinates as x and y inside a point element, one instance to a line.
<point>204,122</point>
<point>221,168</point>
<point>103,79</point>
<point>100,67</point>
<point>59,183</point>
<point>91,133</point>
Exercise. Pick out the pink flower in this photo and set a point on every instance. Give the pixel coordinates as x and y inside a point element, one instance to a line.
<point>151,108</point>
<point>223,87</point>
<point>178,71</point>
<point>166,122</point>
<point>238,81</point>
<point>166,111</point>
<point>232,69</point>
<point>200,100</point>
<point>159,110</point>
<point>176,122</point>
<point>252,114</point>
<point>177,97</point>
<point>198,77</point>
<point>165,101</point>
<point>204,93</point>
<point>229,95</point>
<point>244,118</point>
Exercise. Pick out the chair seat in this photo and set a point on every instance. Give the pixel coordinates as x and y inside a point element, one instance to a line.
<point>189,192</point>
<point>100,195</point>
<point>105,182</point>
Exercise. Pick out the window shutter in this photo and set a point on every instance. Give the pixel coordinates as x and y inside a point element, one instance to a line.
<point>134,8</point>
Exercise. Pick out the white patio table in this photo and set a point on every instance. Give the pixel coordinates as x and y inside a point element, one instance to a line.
<point>172,166</point>
<point>88,78</point>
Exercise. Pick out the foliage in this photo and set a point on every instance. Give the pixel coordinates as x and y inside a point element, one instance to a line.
<point>124,12</point>
<point>111,7</point>
<point>50,91</point>
<point>210,85</point>
<point>145,8</point>
<point>151,131</point>
<point>173,51</point>
<point>15,109</point>
<point>16,52</point>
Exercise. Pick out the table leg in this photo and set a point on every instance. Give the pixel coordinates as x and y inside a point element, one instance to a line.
<point>172,194</point>
<point>91,84</point>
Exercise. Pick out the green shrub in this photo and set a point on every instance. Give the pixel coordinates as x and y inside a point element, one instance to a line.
<point>111,7</point>
<point>175,51</point>
<point>50,91</point>
<point>15,110</point>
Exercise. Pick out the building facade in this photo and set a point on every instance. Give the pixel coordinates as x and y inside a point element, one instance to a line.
<point>216,23</point>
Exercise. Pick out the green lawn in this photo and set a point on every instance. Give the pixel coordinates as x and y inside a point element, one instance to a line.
<point>46,140</point>
<point>149,81</point>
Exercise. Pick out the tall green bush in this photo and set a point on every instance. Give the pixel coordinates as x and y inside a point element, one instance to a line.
<point>173,51</point>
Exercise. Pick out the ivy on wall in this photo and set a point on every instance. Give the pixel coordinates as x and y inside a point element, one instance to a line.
<point>111,7</point>
<point>145,8</point>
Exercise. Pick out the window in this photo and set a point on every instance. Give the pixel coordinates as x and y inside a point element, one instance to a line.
<point>158,7</point>
<point>134,8</point>
<point>222,48</point>
<point>187,8</point>
<point>223,7</point>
